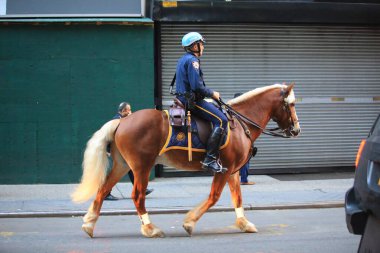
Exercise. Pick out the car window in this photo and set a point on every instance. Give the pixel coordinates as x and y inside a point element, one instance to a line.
<point>376,127</point>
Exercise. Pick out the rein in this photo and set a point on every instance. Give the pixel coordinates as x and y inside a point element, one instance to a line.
<point>272,132</point>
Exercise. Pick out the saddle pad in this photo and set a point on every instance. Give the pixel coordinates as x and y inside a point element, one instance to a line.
<point>177,138</point>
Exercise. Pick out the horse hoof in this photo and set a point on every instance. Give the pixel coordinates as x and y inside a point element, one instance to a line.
<point>89,229</point>
<point>151,231</point>
<point>189,228</point>
<point>245,226</point>
<point>250,228</point>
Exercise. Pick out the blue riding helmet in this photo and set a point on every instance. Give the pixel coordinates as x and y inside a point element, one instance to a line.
<point>190,38</point>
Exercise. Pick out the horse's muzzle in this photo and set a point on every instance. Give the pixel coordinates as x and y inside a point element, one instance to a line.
<point>295,131</point>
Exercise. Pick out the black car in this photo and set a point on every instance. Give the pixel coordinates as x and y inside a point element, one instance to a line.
<point>363,199</point>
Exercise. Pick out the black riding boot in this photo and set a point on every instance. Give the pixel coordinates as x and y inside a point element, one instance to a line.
<point>213,144</point>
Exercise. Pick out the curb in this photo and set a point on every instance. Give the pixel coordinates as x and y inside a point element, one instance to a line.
<point>59,214</point>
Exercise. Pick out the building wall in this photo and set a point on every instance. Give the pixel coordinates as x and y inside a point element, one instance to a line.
<point>329,48</point>
<point>59,83</point>
<point>336,72</point>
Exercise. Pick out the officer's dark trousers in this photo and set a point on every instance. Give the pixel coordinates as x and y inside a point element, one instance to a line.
<point>211,113</point>
<point>219,121</point>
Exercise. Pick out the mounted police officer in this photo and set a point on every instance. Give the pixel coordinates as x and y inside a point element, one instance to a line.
<point>191,91</point>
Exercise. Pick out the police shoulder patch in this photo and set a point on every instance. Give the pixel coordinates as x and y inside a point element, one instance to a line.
<point>195,64</point>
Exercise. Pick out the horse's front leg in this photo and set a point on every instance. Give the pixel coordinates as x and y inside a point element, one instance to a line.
<point>195,214</point>
<point>241,221</point>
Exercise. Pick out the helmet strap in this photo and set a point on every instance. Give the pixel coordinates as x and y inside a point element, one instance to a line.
<point>199,48</point>
<point>190,50</point>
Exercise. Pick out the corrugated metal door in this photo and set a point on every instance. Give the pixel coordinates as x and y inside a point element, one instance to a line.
<point>336,70</point>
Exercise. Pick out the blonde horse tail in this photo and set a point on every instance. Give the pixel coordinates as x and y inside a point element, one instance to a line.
<point>95,162</point>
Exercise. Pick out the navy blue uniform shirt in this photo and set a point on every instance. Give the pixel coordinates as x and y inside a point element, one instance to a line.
<point>189,74</point>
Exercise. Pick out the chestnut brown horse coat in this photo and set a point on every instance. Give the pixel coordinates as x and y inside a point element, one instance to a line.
<point>136,142</point>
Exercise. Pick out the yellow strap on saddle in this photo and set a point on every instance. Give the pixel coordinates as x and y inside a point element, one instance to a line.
<point>166,147</point>
<point>189,144</point>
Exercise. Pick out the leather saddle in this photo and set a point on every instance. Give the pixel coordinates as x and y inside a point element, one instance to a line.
<point>177,118</point>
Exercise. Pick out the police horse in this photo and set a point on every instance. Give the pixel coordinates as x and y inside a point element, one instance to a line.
<point>138,140</point>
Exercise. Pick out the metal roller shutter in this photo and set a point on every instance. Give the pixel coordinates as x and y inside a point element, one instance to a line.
<point>336,70</point>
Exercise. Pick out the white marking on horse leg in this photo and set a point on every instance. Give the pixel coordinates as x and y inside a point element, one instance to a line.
<point>148,229</point>
<point>89,223</point>
<point>145,219</point>
<point>90,217</point>
<point>242,223</point>
<point>239,212</point>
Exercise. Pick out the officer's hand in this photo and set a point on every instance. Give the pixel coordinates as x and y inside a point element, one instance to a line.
<point>216,95</point>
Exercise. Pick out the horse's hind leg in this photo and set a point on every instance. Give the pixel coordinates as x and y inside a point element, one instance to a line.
<point>241,222</point>
<point>195,214</point>
<point>141,173</point>
<point>119,169</point>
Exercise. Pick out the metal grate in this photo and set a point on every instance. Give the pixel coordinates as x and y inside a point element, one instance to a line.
<point>336,70</point>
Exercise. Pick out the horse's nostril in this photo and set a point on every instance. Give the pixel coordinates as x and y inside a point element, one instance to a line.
<point>297,131</point>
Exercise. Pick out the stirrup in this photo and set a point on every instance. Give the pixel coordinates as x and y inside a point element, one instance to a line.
<point>219,169</point>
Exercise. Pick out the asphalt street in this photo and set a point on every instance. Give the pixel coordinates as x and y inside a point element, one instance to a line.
<point>286,231</point>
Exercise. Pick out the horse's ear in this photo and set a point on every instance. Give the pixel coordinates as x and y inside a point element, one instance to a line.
<point>289,88</point>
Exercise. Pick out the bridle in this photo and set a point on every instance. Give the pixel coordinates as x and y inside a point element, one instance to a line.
<point>276,132</point>
<point>286,108</point>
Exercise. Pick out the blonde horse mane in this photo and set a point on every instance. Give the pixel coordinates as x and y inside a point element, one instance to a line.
<point>254,93</point>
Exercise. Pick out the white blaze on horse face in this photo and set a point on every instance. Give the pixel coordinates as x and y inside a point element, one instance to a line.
<point>291,99</point>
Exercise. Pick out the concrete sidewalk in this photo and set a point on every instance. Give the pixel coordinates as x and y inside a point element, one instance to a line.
<point>175,195</point>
